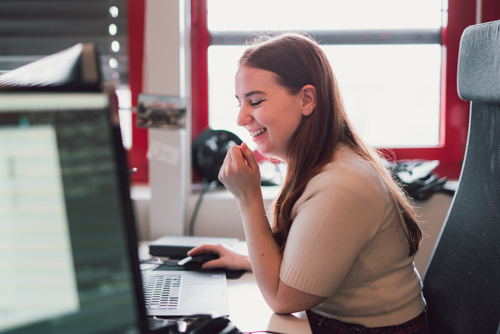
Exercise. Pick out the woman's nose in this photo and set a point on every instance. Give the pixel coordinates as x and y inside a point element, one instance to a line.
<point>243,117</point>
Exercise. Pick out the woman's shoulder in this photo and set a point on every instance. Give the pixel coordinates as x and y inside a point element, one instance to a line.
<point>348,171</point>
<point>346,162</point>
<point>348,183</point>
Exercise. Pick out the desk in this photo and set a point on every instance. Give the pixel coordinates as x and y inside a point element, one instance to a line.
<point>249,311</point>
<point>247,308</point>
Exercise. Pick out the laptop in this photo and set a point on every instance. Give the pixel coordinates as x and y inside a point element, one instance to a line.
<point>181,293</point>
<point>68,243</point>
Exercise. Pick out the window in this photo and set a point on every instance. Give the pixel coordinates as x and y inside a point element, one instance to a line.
<point>382,93</point>
<point>453,115</point>
<point>385,54</point>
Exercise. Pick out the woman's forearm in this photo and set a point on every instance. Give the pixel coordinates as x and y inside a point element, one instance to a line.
<point>266,258</point>
<point>265,255</point>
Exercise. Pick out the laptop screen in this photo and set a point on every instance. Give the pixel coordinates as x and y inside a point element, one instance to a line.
<point>64,257</point>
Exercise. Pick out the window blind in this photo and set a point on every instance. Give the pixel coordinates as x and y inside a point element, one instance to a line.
<point>30,30</point>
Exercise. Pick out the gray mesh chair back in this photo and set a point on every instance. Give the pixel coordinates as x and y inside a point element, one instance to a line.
<point>462,280</point>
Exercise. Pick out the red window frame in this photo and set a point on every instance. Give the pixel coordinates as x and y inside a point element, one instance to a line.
<point>454,111</point>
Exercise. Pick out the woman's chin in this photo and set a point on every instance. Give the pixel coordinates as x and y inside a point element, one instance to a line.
<point>263,150</point>
<point>268,153</point>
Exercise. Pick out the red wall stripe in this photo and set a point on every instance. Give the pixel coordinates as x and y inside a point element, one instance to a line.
<point>200,41</point>
<point>491,10</point>
<point>137,154</point>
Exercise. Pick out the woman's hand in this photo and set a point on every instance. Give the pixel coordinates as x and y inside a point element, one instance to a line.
<point>228,257</point>
<point>240,173</point>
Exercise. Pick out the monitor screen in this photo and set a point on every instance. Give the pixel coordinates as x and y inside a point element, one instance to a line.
<point>64,261</point>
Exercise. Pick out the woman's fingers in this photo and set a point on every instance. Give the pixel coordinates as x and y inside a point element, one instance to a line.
<point>228,257</point>
<point>234,162</point>
<point>241,159</point>
<point>205,248</point>
<point>236,158</point>
<point>214,264</point>
<point>249,157</point>
<point>240,173</point>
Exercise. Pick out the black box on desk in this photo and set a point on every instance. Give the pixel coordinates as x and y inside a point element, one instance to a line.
<point>176,247</point>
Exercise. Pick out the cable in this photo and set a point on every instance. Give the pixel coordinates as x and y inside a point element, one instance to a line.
<point>269,332</point>
<point>197,207</point>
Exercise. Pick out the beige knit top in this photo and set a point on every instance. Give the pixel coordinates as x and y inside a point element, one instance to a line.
<point>346,244</point>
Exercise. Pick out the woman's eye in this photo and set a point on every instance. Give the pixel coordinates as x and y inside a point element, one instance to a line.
<point>254,104</point>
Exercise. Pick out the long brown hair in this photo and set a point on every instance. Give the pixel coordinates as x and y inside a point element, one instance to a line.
<point>298,60</point>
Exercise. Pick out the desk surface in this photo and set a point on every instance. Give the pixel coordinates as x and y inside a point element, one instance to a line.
<point>249,311</point>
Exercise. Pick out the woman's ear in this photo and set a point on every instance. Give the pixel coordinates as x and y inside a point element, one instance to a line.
<point>308,99</point>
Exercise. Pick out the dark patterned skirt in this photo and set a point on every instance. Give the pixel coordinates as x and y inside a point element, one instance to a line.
<point>323,325</point>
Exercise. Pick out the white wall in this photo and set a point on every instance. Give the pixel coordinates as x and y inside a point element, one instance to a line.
<point>165,74</point>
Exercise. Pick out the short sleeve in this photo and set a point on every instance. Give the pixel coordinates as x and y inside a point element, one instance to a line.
<point>339,212</point>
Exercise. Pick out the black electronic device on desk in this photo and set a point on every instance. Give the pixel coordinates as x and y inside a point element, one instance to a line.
<point>191,263</point>
<point>418,179</point>
<point>176,247</point>
<point>196,262</point>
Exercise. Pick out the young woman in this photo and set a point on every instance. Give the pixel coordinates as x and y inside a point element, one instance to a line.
<point>343,234</point>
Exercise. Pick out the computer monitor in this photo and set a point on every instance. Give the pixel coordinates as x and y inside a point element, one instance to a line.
<point>66,244</point>
<point>73,69</point>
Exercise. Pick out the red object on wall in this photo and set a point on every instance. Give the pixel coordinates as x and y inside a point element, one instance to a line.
<point>491,10</point>
<point>137,154</point>
<point>200,41</point>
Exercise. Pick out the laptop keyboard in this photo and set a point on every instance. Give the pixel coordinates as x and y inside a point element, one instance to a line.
<point>162,292</point>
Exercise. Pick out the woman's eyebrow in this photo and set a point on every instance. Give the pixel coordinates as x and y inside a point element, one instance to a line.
<point>251,93</point>
<point>254,92</point>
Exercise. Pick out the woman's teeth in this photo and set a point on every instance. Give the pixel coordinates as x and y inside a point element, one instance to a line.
<point>258,132</point>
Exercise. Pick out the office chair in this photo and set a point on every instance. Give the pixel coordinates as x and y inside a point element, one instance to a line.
<point>462,280</point>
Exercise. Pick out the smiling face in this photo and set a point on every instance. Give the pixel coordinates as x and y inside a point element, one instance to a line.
<point>267,110</point>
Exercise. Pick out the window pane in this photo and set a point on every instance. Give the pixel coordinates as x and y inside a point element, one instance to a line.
<point>253,15</point>
<point>391,92</point>
<point>222,104</point>
<point>125,114</point>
